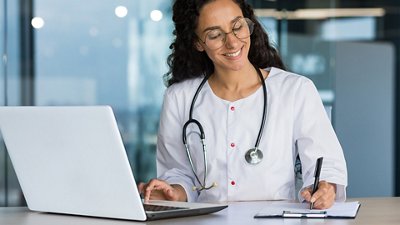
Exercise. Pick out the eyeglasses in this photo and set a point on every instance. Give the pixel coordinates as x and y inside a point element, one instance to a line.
<point>216,38</point>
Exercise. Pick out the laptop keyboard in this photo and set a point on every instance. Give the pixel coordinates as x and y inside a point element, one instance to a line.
<point>156,208</point>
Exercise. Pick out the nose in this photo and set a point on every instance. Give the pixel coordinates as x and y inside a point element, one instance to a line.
<point>231,41</point>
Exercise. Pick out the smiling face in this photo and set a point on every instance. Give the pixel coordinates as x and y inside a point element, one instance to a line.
<point>223,15</point>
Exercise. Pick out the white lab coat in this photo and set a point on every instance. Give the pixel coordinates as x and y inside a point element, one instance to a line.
<point>296,121</point>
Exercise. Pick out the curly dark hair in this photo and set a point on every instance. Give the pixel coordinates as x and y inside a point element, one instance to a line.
<point>187,62</point>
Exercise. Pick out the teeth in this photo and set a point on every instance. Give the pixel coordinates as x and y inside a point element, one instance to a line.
<point>233,54</point>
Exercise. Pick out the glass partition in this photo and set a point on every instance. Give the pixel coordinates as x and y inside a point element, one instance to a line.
<point>3,55</point>
<point>10,89</point>
<point>106,53</point>
<point>344,49</point>
<point>114,53</point>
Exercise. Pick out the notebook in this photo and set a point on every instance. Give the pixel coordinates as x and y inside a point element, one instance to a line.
<point>71,160</point>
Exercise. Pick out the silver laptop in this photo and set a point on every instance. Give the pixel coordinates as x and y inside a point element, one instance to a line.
<point>72,160</point>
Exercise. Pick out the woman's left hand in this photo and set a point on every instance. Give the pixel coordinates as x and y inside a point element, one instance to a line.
<point>323,198</point>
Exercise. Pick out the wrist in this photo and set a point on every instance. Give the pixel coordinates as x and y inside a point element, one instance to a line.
<point>334,186</point>
<point>182,197</point>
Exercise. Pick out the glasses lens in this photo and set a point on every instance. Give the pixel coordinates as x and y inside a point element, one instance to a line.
<point>243,28</point>
<point>215,39</point>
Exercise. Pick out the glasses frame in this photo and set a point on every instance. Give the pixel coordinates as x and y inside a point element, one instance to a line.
<point>249,22</point>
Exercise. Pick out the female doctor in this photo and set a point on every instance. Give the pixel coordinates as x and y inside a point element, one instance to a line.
<point>233,121</point>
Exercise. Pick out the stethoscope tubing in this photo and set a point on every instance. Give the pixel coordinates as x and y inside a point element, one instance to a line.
<point>202,134</point>
<point>264,115</point>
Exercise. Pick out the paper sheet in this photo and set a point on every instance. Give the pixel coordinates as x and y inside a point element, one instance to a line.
<point>338,210</point>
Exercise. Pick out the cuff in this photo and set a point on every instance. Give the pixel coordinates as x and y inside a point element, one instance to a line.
<point>340,193</point>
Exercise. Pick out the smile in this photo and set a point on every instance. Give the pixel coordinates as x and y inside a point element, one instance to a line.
<point>234,53</point>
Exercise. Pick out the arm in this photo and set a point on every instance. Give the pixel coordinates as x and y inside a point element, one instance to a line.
<point>315,137</point>
<point>172,162</point>
<point>174,180</point>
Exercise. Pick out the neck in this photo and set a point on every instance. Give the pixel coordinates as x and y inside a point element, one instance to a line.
<point>235,85</point>
<point>234,80</point>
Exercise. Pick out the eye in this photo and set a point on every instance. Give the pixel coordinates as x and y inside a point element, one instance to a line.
<point>238,26</point>
<point>214,34</point>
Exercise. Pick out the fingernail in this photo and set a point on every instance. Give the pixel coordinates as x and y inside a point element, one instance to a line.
<point>312,200</point>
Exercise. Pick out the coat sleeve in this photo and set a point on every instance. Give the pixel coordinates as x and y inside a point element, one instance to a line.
<point>172,162</point>
<point>315,137</point>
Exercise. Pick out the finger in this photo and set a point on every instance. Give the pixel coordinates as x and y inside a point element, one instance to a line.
<point>325,201</point>
<point>306,194</point>
<point>168,191</point>
<point>156,185</point>
<point>151,185</point>
<point>324,197</point>
<point>320,191</point>
<point>141,187</point>
<point>147,194</point>
<point>160,186</point>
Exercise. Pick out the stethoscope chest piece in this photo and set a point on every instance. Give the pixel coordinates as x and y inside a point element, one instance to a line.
<point>253,156</point>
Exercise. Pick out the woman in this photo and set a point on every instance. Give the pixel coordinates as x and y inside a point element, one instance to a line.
<point>222,56</point>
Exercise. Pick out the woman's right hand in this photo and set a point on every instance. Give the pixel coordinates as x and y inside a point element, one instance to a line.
<point>157,189</point>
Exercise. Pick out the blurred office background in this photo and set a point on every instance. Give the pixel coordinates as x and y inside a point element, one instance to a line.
<point>113,52</point>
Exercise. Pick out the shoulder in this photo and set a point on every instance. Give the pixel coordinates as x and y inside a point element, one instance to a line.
<point>183,89</point>
<point>279,75</point>
<point>286,80</point>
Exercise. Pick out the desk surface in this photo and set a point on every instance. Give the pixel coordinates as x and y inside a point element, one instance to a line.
<point>372,211</point>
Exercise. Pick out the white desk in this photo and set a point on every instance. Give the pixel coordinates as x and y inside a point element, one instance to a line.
<point>373,211</point>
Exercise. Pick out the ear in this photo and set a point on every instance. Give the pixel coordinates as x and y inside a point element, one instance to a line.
<point>198,46</point>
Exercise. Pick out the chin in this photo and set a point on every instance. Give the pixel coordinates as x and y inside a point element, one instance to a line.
<point>237,66</point>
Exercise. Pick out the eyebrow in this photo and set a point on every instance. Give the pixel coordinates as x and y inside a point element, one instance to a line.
<point>218,27</point>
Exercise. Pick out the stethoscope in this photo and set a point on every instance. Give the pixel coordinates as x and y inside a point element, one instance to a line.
<point>253,156</point>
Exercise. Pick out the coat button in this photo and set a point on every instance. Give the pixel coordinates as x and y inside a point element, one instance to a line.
<point>232,145</point>
<point>232,108</point>
<point>233,183</point>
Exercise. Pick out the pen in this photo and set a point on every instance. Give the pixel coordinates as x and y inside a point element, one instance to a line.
<point>317,172</point>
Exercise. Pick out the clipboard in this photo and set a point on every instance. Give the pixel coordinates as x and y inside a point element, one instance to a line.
<point>294,214</point>
<point>339,210</point>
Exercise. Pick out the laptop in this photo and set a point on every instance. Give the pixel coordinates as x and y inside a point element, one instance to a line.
<point>71,160</point>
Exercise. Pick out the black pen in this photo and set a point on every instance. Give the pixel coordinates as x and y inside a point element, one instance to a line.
<point>317,172</point>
